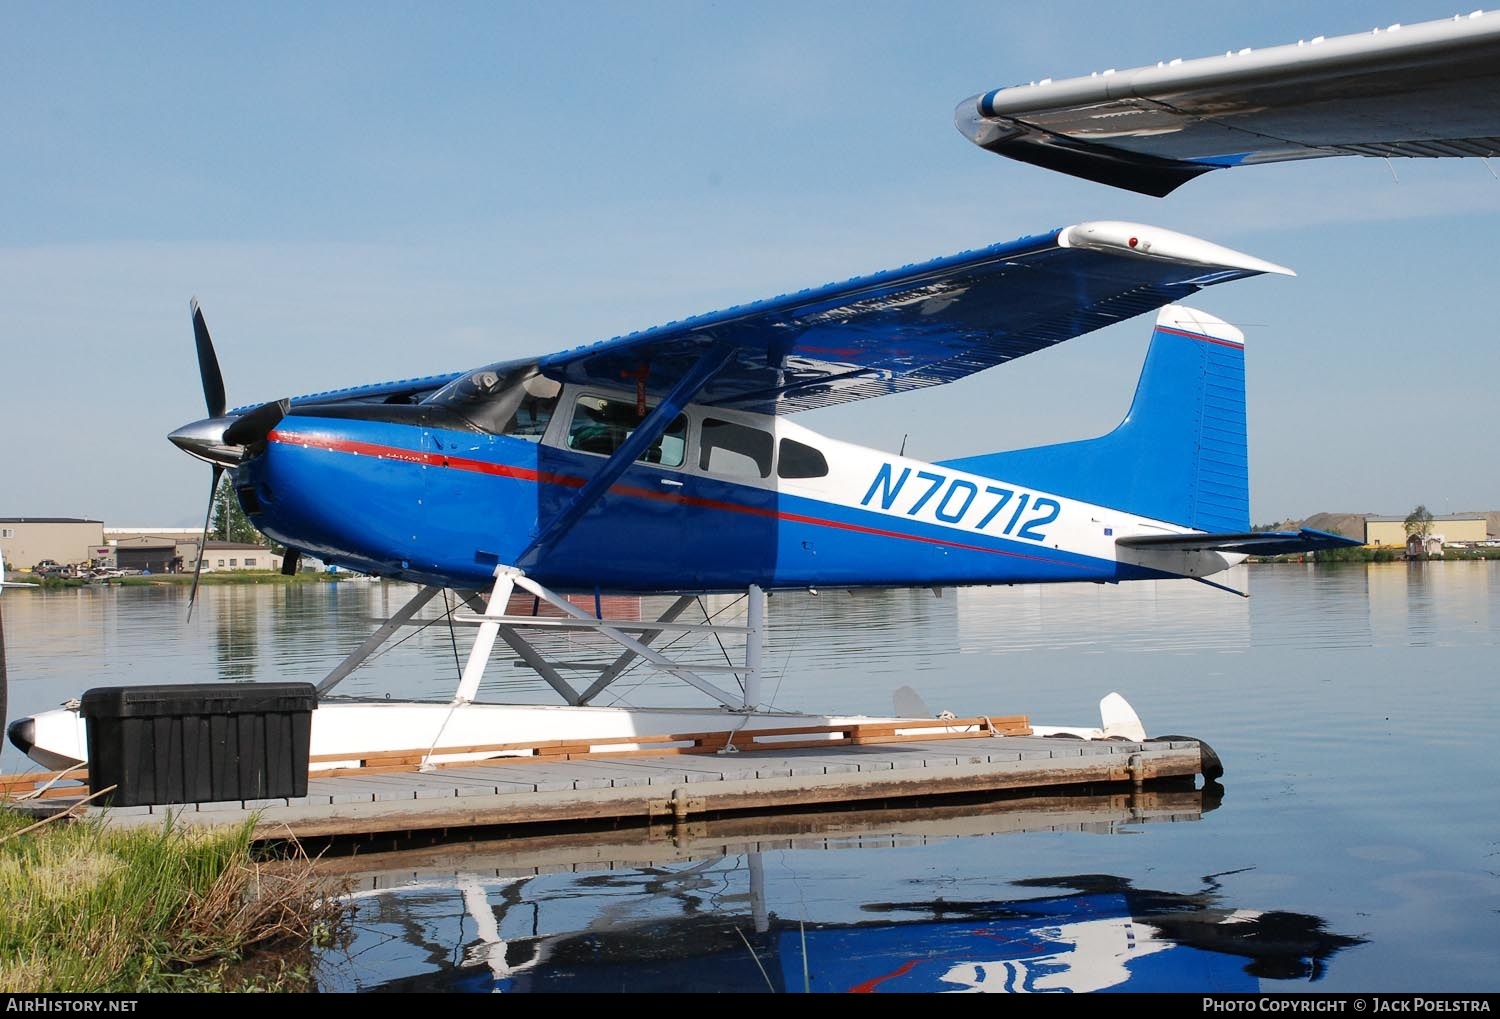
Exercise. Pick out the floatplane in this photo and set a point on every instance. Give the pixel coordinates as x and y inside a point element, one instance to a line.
<point>668,462</point>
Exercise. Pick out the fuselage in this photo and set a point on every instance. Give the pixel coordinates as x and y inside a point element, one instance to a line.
<point>444,491</point>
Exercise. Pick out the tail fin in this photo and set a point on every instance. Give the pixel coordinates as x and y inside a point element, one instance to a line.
<point>1180,455</point>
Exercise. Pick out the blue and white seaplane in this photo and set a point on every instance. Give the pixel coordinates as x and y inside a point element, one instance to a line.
<point>669,462</point>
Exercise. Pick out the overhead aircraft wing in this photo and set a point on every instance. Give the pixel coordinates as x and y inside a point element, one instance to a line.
<point>1421,90</point>
<point>1260,543</point>
<point>920,325</point>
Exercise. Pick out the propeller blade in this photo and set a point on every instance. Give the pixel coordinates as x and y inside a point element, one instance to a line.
<point>253,426</point>
<point>213,493</point>
<point>208,366</point>
<point>289,563</point>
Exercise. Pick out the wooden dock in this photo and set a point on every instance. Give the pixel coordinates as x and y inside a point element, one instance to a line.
<point>693,778</point>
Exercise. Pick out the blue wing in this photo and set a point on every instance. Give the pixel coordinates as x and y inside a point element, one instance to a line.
<point>920,325</point>
<point>1422,90</point>
<point>903,329</point>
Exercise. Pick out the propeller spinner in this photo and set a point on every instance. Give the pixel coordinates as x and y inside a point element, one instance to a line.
<point>221,439</point>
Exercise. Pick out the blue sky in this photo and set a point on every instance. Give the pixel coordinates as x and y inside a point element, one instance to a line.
<point>366,191</point>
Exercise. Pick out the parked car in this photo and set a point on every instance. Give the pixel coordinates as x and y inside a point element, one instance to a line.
<point>53,568</point>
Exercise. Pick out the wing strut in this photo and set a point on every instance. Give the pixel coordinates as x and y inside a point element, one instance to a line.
<point>651,429</point>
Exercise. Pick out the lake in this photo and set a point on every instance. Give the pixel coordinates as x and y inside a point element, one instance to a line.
<point>1353,843</point>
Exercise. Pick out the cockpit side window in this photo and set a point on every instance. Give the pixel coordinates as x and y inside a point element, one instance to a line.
<point>601,425</point>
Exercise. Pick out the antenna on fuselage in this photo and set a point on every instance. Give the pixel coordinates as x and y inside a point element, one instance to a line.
<point>903,444</point>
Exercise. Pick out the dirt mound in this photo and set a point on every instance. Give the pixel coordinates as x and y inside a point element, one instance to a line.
<point>1350,525</point>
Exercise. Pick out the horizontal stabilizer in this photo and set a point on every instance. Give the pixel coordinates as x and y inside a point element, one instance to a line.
<point>1258,543</point>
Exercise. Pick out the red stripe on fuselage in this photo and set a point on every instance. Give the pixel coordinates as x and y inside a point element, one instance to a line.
<point>425,459</point>
<point>334,445</point>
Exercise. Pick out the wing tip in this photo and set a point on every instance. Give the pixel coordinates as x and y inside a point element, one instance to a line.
<point>1119,237</point>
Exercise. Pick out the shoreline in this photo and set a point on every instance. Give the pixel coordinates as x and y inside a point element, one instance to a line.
<point>186,579</point>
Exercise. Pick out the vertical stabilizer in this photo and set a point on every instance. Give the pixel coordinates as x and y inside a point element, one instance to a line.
<point>1179,456</point>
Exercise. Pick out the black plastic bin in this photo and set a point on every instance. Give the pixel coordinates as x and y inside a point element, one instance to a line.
<point>198,742</point>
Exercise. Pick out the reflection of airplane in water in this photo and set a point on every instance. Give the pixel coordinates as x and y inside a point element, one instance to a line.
<point>1103,934</point>
<point>1100,933</point>
<point>701,920</point>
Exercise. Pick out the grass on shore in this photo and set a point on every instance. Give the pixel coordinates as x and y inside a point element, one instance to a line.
<point>87,907</point>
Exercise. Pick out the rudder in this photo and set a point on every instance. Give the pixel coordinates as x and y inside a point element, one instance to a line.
<point>1181,455</point>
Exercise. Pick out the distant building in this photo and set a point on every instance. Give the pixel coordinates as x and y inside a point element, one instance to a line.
<point>68,540</point>
<point>1458,528</point>
<point>175,550</point>
<point>220,556</point>
<point>158,549</point>
<point>162,535</point>
<point>1418,546</point>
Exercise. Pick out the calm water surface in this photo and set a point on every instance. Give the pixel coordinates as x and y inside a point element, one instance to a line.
<point>1354,845</point>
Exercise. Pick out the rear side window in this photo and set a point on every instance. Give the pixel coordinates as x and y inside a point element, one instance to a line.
<point>735,450</point>
<point>799,460</point>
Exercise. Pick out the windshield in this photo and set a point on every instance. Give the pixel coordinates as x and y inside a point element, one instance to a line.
<point>502,400</point>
